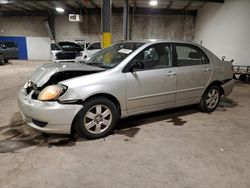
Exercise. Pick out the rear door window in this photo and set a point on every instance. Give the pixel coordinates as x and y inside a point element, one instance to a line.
<point>188,55</point>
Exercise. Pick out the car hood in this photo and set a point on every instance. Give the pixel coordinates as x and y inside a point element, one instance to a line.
<point>46,71</point>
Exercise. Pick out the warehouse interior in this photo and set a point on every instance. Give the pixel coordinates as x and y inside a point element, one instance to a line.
<point>180,147</point>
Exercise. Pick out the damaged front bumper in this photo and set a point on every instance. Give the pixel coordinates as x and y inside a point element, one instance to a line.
<point>49,117</point>
<point>228,87</point>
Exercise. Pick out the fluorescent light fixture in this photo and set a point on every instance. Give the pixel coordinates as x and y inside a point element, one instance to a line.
<point>59,9</point>
<point>4,1</point>
<point>152,40</point>
<point>153,2</point>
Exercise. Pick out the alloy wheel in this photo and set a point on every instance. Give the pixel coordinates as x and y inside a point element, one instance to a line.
<point>212,98</point>
<point>98,119</point>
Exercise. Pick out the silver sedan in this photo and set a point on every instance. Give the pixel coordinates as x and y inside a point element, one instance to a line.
<point>122,80</point>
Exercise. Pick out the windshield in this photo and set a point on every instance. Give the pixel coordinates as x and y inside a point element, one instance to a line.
<point>111,56</point>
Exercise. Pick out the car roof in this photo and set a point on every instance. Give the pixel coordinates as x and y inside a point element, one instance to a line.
<point>159,41</point>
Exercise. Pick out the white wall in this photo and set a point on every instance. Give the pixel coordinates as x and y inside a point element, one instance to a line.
<point>22,26</point>
<point>38,48</point>
<point>172,27</point>
<point>224,29</point>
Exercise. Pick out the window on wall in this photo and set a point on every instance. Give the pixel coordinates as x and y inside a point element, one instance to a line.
<point>189,56</point>
<point>155,57</point>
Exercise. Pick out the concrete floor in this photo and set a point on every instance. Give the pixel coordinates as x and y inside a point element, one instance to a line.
<point>172,148</point>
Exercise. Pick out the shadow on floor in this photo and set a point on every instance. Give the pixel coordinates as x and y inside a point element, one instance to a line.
<point>226,103</point>
<point>17,135</point>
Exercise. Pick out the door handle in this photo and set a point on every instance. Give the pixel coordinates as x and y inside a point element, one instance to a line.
<point>170,73</point>
<point>206,69</point>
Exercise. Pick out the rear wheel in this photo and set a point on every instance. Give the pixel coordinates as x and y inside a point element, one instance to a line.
<point>97,118</point>
<point>1,60</point>
<point>248,79</point>
<point>210,99</point>
<point>243,77</point>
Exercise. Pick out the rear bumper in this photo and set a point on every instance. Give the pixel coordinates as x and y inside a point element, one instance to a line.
<point>57,117</point>
<point>228,87</point>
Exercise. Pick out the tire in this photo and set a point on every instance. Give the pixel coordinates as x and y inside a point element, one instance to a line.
<point>6,61</point>
<point>210,99</point>
<point>243,77</point>
<point>248,79</point>
<point>1,60</point>
<point>97,118</point>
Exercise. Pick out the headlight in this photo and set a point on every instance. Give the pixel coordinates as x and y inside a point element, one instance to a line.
<point>51,92</point>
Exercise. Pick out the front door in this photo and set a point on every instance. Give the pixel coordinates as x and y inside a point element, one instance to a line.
<point>152,86</point>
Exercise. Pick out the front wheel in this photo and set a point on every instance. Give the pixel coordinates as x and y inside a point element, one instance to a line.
<point>97,118</point>
<point>210,99</point>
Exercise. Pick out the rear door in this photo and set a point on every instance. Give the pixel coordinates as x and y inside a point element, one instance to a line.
<point>193,73</point>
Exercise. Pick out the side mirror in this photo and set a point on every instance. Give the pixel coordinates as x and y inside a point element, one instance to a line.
<point>223,58</point>
<point>136,66</point>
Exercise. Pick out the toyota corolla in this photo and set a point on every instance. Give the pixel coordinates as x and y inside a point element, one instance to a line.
<point>124,79</point>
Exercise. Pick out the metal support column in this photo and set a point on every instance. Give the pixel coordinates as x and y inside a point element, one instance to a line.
<point>106,26</point>
<point>125,19</point>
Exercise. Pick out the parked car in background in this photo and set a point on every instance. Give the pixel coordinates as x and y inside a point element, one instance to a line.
<point>122,80</point>
<point>93,48</point>
<point>71,51</point>
<point>8,50</point>
<point>54,48</point>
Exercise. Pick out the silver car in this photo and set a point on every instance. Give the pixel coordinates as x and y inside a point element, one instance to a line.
<point>124,79</point>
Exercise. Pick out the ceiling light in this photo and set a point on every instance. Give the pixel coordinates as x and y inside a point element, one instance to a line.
<point>153,2</point>
<point>152,40</point>
<point>4,1</point>
<point>59,9</point>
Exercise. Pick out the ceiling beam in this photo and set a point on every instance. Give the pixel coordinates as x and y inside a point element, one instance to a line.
<point>169,5</point>
<point>93,4</point>
<point>189,3</point>
<point>91,1</point>
<point>94,11</point>
<point>208,1</point>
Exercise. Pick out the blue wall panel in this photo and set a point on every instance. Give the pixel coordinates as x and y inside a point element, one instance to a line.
<point>21,45</point>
